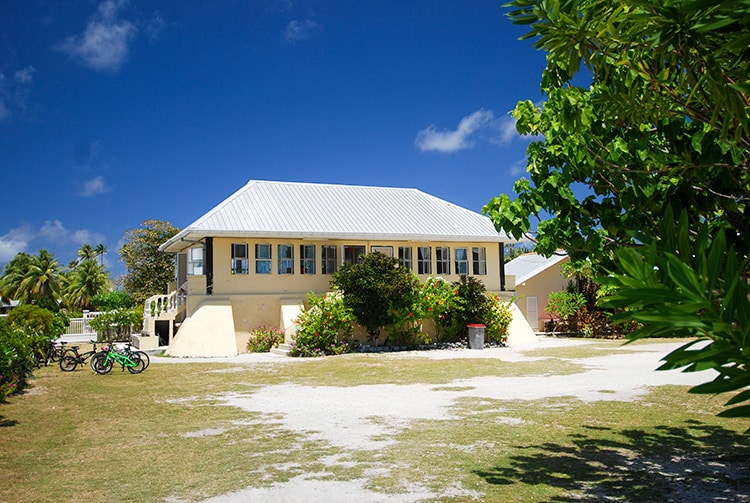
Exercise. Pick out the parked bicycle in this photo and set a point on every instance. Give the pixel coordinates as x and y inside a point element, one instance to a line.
<point>73,358</point>
<point>141,354</point>
<point>104,360</point>
<point>54,350</point>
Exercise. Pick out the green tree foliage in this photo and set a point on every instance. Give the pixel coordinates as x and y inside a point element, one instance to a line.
<point>109,301</point>
<point>698,289</point>
<point>42,281</point>
<point>84,283</point>
<point>665,120</point>
<point>15,270</point>
<point>376,289</point>
<point>149,270</point>
<point>665,123</point>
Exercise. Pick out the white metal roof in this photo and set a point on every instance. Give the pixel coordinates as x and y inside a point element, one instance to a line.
<point>528,265</point>
<point>307,210</point>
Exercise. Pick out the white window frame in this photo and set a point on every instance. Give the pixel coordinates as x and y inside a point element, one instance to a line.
<point>442,260</point>
<point>263,260</point>
<point>239,258</point>
<point>479,261</point>
<point>328,263</point>
<point>307,259</point>
<point>424,260</point>
<point>405,257</point>
<point>461,260</point>
<point>195,261</point>
<point>286,258</point>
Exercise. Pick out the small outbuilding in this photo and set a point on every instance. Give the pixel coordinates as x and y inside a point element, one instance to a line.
<point>536,277</point>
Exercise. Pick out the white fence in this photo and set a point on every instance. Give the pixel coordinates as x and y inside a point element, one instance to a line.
<point>81,326</point>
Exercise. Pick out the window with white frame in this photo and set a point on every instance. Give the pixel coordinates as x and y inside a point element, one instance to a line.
<point>262,258</point>
<point>424,260</point>
<point>443,259</point>
<point>479,261</point>
<point>307,259</point>
<point>352,253</point>
<point>286,259</point>
<point>195,261</point>
<point>328,259</point>
<point>385,250</point>
<point>239,258</point>
<point>404,256</point>
<point>462,260</point>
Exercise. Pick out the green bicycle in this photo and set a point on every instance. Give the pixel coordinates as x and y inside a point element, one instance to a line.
<point>104,360</point>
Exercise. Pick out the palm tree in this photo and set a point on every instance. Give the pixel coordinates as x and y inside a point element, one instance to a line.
<point>86,252</point>
<point>42,280</point>
<point>15,271</point>
<point>86,281</point>
<point>100,251</point>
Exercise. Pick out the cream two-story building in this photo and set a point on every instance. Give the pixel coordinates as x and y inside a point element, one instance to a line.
<point>253,258</point>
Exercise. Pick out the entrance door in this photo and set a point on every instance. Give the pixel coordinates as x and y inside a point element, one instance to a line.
<point>532,313</point>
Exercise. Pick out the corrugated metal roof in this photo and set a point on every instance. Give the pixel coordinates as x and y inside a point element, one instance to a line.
<point>528,265</point>
<point>309,210</point>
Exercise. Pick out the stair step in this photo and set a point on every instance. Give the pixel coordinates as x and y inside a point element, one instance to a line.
<point>282,349</point>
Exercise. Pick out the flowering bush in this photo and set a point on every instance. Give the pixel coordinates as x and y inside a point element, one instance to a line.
<point>263,338</point>
<point>497,317</point>
<point>325,328</point>
<point>437,299</point>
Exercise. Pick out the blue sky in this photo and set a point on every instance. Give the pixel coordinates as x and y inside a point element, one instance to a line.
<point>113,112</point>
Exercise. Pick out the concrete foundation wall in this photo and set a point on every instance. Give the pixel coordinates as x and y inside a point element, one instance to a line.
<point>208,332</point>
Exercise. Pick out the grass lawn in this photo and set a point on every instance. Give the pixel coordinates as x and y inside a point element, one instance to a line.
<point>173,434</point>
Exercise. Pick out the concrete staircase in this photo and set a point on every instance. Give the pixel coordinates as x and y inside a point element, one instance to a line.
<point>282,350</point>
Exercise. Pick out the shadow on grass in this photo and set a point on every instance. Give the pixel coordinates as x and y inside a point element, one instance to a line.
<point>4,423</point>
<point>695,462</point>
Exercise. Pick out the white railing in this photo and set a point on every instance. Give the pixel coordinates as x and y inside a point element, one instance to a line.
<point>157,305</point>
<point>81,326</point>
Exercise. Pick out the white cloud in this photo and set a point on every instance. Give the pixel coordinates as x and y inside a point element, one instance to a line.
<point>296,31</point>
<point>480,125</point>
<point>53,231</point>
<point>15,241</point>
<point>94,187</point>
<point>432,139</point>
<point>14,90</point>
<point>104,45</point>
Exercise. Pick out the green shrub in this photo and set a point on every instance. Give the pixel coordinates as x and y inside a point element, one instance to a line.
<point>379,292</point>
<point>470,305</point>
<point>16,362</point>
<point>324,328</point>
<point>117,325</point>
<point>263,338</point>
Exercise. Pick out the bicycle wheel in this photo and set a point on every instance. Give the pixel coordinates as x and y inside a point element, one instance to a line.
<point>139,367</point>
<point>68,363</point>
<point>144,356</point>
<point>101,363</point>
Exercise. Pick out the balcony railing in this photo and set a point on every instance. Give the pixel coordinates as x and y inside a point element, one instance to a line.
<point>158,305</point>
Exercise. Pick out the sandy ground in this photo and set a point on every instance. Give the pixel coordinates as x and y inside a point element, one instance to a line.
<point>343,417</point>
